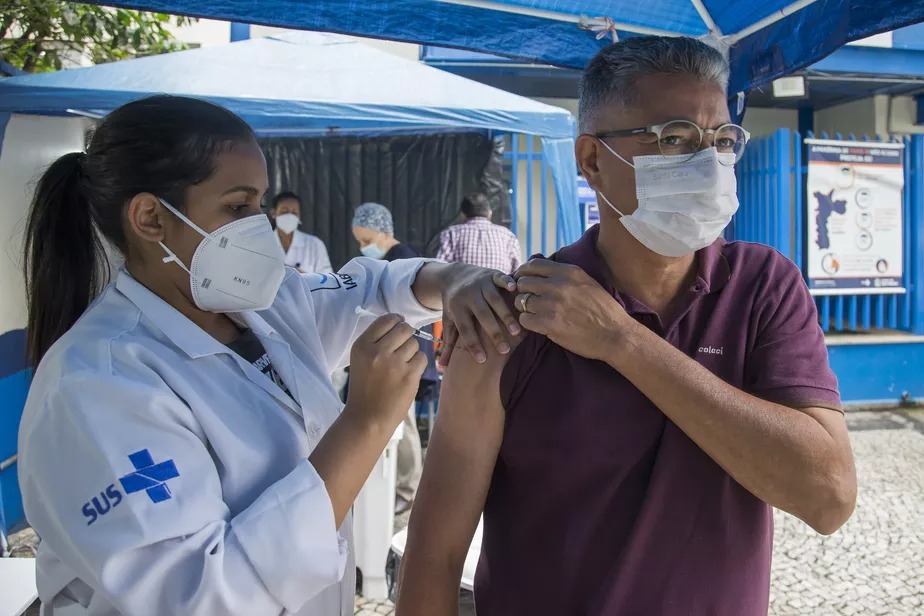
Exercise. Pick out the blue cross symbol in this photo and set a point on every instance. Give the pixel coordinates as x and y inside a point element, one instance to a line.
<point>150,477</point>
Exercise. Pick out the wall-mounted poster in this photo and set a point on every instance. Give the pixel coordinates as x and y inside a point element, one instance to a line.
<point>855,225</point>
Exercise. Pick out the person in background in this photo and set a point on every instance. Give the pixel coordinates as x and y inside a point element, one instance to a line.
<point>304,252</point>
<point>374,229</point>
<point>478,241</point>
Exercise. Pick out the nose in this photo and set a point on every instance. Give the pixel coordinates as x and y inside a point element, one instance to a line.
<point>708,140</point>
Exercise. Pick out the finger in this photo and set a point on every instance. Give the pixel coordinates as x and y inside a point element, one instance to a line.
<point>450,340</point>
<point>406,351</point>
<point>381,326</point>
<point>504,281</point>
<point>488,322</point>
<point>399,334</point>
<point>500,304</point>
<point>544,268</point>
<point>530,303</point>
<point>534,323</point>
<point>469,337</point>
<point>538,285</point>
<point>419,364</point>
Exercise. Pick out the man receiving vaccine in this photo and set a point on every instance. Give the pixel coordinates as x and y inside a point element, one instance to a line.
<point>671,389</point>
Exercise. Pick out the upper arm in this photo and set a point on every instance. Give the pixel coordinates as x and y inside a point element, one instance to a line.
<point>323,257</point>
<point>460,459</point>
<point>788,363</point>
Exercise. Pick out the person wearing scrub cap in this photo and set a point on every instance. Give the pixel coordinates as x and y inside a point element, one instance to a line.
<point>374,229</point>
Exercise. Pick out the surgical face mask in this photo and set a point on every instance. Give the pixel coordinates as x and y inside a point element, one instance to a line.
<point>235,268</point>
<point>372,251</point>
<point>287,223</point>
<point>684,203</point>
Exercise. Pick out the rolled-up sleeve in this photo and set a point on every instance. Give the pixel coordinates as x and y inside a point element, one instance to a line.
<point>789,362</point>
<point>120,485</point>
<point>375,286</point>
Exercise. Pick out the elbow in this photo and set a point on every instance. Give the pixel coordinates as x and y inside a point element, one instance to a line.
<point>835,503</point>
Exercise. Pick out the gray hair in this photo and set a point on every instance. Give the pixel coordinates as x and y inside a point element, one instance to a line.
<point>610,76</point>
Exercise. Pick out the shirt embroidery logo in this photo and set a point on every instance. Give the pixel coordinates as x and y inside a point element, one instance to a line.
<point>150,477</point>
<point>708,350</point>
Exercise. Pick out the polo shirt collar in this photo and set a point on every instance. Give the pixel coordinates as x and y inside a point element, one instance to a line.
<point>713,269</point>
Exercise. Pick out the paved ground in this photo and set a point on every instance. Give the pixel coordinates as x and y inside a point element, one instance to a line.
<point>875,564</point>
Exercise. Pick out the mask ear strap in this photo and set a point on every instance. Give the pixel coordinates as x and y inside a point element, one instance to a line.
<point>177,213</point>
<point>171,257</point>
<point>614,152</point>
<point>610,203</point>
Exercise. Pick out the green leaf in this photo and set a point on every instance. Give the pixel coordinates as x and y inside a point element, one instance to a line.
<point>106,33</point>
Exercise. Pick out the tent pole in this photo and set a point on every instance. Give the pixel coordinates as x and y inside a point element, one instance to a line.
<point>552,15</point>
<point>786,11</point>
<point>706,17</point>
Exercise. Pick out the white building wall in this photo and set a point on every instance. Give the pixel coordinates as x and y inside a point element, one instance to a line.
<point>30,144</point>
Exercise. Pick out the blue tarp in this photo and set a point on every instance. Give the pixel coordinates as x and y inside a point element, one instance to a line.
<point>768,38</point>
<point>308,84</point>
<point>296,83</point>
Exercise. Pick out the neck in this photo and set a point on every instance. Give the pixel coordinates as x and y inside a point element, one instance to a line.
<point>389,243</point>
<point>649,277</point>
<point>219,326</point>
<point>285,238</point>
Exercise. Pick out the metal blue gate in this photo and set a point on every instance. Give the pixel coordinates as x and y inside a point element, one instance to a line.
<point>774,209</point>
<point>525,157</point>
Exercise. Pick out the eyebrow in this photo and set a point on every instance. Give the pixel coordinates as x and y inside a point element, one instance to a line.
<point>250,190</point>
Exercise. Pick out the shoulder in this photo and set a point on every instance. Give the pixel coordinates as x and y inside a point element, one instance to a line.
<point>401,251</point>
<point>505,231</point>
<point>758,264</point>
<point>311,240</point>
<point>94,381</point>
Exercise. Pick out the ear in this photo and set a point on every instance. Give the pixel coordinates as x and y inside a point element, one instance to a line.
<point>586,151</point>
<point>145,217</point>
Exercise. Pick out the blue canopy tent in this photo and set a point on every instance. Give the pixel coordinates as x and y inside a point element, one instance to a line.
<point>765,39</point>
<point>310,84</point>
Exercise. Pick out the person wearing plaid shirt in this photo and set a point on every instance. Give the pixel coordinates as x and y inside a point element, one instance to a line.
<point>478,241</point>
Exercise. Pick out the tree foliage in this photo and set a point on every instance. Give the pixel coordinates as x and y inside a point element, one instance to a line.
<point>47,35</point>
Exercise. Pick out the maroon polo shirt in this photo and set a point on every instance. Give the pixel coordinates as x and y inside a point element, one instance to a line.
<point>599,504</point>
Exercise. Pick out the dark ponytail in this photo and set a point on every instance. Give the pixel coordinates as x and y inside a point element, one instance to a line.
<point>64,258</point>
<point>160,145</point>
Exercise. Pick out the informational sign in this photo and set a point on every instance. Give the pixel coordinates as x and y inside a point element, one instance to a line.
<point>587,200</point>
<point>855,224</point>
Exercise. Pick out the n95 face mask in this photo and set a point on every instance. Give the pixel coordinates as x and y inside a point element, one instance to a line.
<point>235,268</point>
<point>287,223</point>
<point>684,203</point>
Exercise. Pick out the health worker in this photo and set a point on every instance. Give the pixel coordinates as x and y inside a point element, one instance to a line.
<point>182,449</point>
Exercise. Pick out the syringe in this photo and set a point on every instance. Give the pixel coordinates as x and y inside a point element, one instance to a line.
<point>417,332</point>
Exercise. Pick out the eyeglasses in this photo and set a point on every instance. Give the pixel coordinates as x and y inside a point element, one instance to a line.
<point>682,137</point>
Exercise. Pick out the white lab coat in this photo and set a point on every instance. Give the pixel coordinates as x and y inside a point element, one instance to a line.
<point>231,518</point>
<point>307,253</point>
